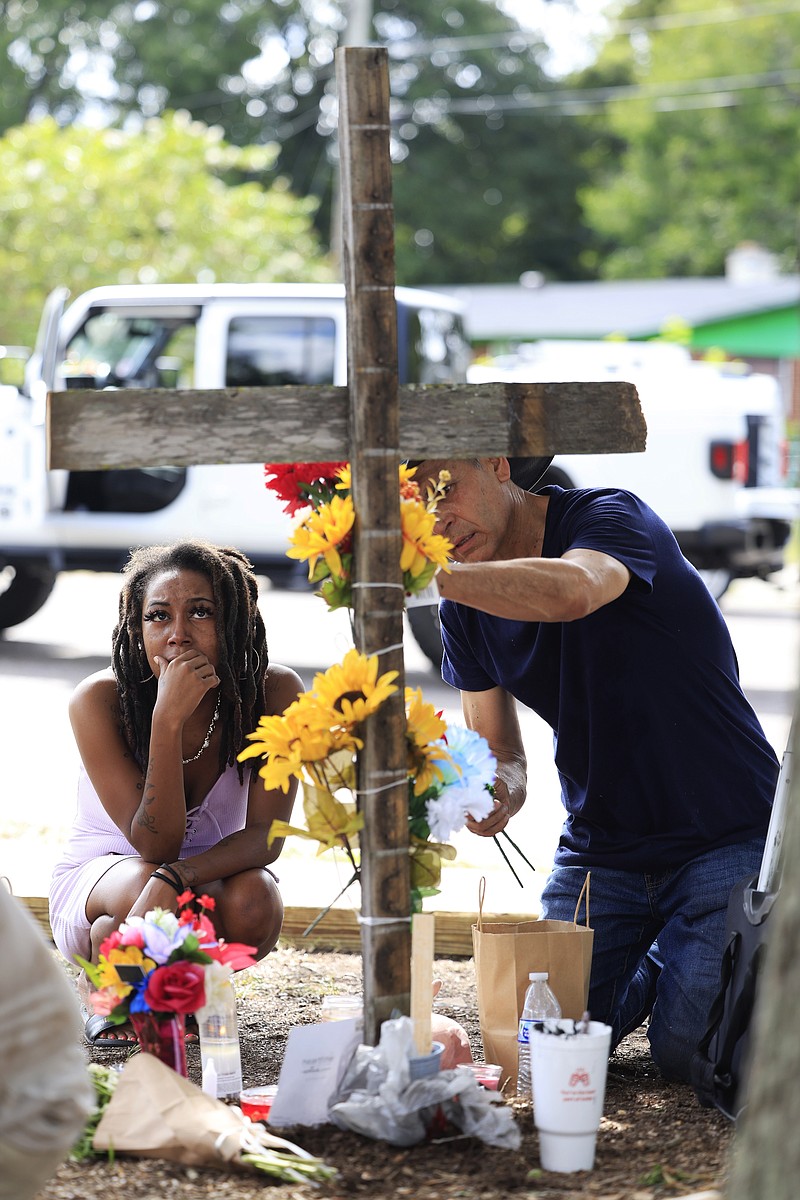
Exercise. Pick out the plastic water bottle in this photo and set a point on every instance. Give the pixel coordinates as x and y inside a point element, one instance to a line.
<point>540,1003</point>
<point>220,1056</point>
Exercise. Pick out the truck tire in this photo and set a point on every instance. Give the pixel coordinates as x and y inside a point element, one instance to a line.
<point>424,622</point>
<point>25,584</point>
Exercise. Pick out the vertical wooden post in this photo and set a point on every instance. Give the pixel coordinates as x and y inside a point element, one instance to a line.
<point>368,259</point>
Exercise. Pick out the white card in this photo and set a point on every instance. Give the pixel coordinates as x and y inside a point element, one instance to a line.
<point>315,1061</point>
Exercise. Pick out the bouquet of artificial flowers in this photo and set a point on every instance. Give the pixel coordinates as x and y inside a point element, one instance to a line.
<point>323,537</point>
<point>316,740</point>
<point>156,963</point>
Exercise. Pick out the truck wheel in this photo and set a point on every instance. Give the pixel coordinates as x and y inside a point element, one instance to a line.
<point>424,622</point>
<point>24,586</point>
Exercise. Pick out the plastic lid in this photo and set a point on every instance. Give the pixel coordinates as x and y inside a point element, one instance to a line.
<point>538,975</point>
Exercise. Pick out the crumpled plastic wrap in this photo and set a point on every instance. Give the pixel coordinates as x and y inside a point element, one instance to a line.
<point>377,1099</point>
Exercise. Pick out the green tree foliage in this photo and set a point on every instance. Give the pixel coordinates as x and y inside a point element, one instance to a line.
<point>81,207</point>
<point>712,156</point>
<point>485,180</point>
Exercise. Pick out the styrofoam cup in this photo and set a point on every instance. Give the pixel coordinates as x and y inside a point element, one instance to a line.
<point>569,1084</point>
<point>422,1066</point>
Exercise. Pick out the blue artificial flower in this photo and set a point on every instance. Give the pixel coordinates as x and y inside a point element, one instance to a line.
<point>162,933</point>
<point>468,770</point>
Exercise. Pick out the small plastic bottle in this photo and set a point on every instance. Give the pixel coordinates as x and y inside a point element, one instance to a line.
<point>540,1003</point>
<point>220,1055</point>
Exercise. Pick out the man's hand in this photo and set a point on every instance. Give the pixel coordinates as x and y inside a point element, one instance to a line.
<point>496,821</point>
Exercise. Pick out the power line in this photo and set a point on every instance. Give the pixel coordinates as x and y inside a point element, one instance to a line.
<point>715,16</point>
<point>518,38</point>
<point>712,89</point>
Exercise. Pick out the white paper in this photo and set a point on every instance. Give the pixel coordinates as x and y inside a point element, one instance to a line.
<point>428,595</point>
<point>313,1065</point>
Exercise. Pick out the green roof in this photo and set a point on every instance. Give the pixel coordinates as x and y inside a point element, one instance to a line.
<point>773,334</point>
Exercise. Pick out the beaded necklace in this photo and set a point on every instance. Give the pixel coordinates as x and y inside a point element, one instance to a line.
<point>207,739</point>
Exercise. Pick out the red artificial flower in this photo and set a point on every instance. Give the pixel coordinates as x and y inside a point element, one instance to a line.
<point>178,987</point>
<point>207,902</point>
<point>292,482</point>
<point>206,933</point>
<point>185,898</point>
<point>110,943</point>
<point>235,955</point>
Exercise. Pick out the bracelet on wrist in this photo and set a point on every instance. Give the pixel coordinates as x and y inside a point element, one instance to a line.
<point>166,879</point>
<point>173,874</point>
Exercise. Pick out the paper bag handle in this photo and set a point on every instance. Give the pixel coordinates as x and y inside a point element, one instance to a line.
<point>583,892</point>
<point>481,898</point>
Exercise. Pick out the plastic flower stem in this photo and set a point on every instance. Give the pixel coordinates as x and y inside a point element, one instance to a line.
<point>325,911</point>
<point>505,856</point>
<point>516,847</point>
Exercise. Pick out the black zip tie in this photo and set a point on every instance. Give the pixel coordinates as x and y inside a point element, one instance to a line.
<point>516,847</point>
<point>508,863</point>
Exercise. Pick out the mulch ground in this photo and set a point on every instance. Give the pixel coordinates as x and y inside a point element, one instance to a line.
<point>655,1140</point>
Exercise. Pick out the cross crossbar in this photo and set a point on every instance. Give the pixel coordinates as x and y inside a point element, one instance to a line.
<point>95,430</point>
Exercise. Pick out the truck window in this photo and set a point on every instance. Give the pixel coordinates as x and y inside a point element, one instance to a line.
<point>116,350</point>
<point>266,351</point>
<point>431,344</point>
<point>124,350</point>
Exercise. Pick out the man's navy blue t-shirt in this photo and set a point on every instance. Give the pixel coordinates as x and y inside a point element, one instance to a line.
<point>660,755</point>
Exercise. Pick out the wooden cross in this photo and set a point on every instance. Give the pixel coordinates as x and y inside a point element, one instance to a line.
<point>375,425</point>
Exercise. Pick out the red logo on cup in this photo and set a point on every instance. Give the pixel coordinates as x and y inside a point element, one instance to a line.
<point>580,1076</point>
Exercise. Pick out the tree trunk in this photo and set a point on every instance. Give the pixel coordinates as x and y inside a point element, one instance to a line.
<point>766,1160</point>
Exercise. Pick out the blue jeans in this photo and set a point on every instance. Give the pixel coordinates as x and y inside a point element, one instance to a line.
<point>658,942</point>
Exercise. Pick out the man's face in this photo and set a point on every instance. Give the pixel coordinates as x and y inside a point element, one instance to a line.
<point>474,513</point>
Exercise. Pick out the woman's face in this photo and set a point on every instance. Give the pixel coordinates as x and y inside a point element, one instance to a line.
<point>179,614</point>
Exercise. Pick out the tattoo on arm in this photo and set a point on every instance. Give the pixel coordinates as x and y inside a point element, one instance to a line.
<point>146,820</point>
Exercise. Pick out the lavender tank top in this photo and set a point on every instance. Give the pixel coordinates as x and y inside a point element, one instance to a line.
<point>223,811</point>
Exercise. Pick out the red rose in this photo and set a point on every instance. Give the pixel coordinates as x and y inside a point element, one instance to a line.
<point>176,987</point>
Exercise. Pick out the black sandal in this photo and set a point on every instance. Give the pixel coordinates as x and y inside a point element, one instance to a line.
<point>97,1025</point>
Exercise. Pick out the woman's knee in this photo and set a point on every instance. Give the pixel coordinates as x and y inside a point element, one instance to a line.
<point>251,910</point>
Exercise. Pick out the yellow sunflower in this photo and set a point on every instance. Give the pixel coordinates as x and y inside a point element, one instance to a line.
<point>422,548</point>
<point>409,488</point>
<point>323,534</point>
<point>352,687</point>
<point>424,728</point>
<point>307,732</point>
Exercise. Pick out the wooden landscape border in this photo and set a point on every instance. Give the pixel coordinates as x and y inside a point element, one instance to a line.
<point>339,929</point>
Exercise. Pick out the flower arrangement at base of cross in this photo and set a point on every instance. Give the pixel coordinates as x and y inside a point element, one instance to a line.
<point>152,970</point>
<point>323,537</point>
<point>317,739</point>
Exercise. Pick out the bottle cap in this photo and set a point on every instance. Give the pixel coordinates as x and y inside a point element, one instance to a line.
<point>538,975</point>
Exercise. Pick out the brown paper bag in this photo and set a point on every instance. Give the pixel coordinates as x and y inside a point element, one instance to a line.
<point>505,952</point>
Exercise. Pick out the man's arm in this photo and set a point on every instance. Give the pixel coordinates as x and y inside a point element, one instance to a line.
<point>538,589</point>
<point>493,714</point>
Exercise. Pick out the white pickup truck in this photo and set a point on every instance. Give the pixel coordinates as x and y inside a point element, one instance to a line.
<point>716,458</point>
<point>713,466</point>
<point>182,336</point>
